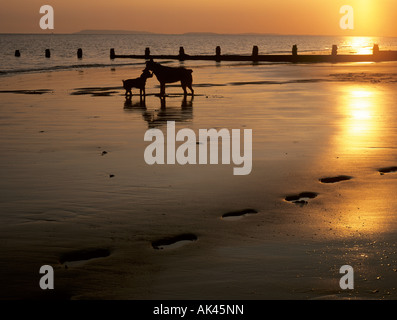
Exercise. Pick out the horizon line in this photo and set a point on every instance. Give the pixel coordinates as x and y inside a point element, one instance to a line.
<point>132,32</point>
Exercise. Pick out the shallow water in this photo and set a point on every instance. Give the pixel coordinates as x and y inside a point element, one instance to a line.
<point>96,48</point>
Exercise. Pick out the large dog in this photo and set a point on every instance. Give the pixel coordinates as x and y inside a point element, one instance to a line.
<point>169,75</point>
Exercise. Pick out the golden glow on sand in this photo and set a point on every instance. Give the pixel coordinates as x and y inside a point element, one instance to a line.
<point>359,129</point>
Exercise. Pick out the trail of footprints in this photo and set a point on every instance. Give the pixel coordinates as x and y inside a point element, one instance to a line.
<point>76,258</point>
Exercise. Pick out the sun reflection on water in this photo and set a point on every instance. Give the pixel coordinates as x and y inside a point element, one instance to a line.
<point>360,107</point>
<point>358,45</point>
<point>360,128</point>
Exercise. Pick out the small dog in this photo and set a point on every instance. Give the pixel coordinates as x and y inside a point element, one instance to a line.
<point>139,83</point>
<point>169,75</point>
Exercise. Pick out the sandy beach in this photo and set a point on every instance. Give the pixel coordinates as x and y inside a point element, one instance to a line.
<point>77,194</point>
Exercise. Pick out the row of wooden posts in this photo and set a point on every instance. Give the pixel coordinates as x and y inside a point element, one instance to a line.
<point>255,51</point>
<point>182,55</point>
<point>47,53</point>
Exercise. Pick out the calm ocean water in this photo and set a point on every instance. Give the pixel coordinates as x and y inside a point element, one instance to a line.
<point>96,48</point>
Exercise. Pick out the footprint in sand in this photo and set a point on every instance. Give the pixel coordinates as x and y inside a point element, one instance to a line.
<point>236,215</point>
<point>174,242</point>
<point>382,171</point>
<point>335,179</point>
<point>79,257</point>
<point>302,198</point>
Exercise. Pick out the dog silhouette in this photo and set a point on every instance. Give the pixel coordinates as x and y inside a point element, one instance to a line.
<point>171,74</point>
<point>139,83</point>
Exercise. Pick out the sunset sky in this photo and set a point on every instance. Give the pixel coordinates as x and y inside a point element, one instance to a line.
<point>372,17</point>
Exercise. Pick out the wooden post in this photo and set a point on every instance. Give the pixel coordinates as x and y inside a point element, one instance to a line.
<point>334,50</point>
<point>375,50</point>
<point>147,53</point>
<point>218,54</point>
<point>294,50</point>
<point>255,52</point>
<point>112,54</point>
<point>17,53</point>
<point>181,54</point>
<point>47,53</point>
<point>79,53</point>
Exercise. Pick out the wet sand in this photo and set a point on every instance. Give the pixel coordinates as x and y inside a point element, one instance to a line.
<point>77,194</point>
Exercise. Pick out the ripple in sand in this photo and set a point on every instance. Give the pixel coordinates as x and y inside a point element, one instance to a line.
<point>387,170</point>
<point>76,258</point>
<point>302,198</point>
<point>366,77</point>
<point>174,242</point>
<point>236,215</point>
<point>335,179</point>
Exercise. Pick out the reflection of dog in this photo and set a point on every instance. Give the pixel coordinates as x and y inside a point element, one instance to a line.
<point>139,83</point>
<point>139,105</point>
<point>169,75</point>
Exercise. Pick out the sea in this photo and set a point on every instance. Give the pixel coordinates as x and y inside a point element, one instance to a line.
<point>96,48</point>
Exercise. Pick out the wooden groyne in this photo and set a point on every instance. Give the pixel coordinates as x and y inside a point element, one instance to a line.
<point>376,56</point>
<point>47,53</point>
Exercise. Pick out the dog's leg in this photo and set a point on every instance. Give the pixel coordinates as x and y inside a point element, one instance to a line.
<point>162,101</point>
<point>190,83</point>
<point>183,84</point>
<point>162,89</point>
<point>191,89</point>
